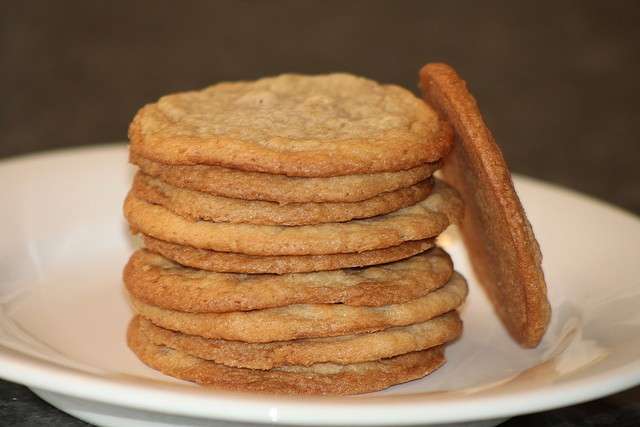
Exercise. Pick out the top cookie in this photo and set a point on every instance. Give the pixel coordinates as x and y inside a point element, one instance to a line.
<point>295,125</point>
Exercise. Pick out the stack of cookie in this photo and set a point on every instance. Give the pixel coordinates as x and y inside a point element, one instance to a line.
<point>289,228</point>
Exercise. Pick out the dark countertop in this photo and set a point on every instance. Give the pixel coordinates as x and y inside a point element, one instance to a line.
<point>557,81</point>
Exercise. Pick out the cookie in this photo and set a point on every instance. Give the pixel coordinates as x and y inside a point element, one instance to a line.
<point>420,221</point>
<point>228,262</point>
<point>322,378</point>
<point>158,281</point>
<point>244,185</point>
<point>341,350</point>
<point>195,205</point>
<point>296,125</point>
<point>306,320</point>
<point>500,241</point>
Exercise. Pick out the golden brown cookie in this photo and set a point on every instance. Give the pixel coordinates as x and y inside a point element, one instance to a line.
<point>158,281</point>
<point>420,221</point>
<point>498,236</point>
<point>244,185</point>
<point>195,205</point>
<point>340,350</point>
<point>228,262</point>
<point>295,125</point>
<point>322,378</point>
<point>307,320</point>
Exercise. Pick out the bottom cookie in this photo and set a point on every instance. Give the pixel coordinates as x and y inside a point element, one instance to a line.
<point>342,350</point>
<point>322,378</point>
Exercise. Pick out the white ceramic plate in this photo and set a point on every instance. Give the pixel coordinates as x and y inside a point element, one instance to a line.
<point>63,314</point>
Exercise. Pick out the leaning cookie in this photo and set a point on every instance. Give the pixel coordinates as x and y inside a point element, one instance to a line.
<point>503,249</point>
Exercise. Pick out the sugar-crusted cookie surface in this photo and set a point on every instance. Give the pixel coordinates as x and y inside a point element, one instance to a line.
<point>296,125</point>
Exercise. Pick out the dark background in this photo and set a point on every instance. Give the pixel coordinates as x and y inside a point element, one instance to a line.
<point>558,82</point>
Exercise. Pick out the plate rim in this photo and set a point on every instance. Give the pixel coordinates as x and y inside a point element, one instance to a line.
<point>197,402</point>
<point>193,401</point>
